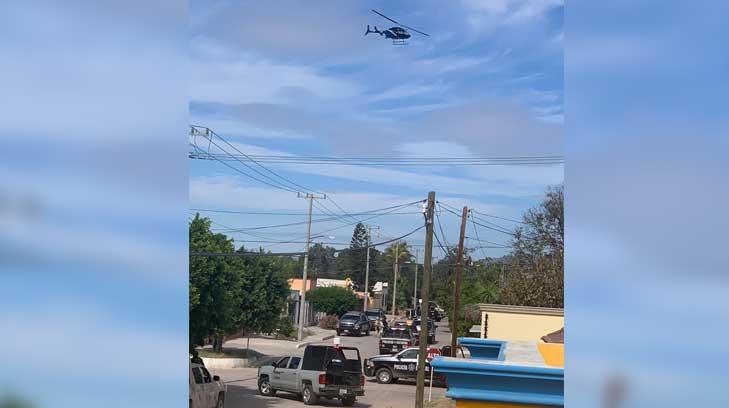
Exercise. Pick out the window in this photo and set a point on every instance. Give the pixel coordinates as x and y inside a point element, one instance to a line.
<point>294,363</point>
<point>206,375</point>
<point>197,375</point>
<point>412,353</point>
<point>283,363</point>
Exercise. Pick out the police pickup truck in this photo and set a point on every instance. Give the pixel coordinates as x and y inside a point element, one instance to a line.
<point>395,339</point>
<point>322,372</point>
<point>390,368</point>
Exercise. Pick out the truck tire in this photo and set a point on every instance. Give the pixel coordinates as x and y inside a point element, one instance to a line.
<point>264,387</point>
<point>384,376</point>
<point>348,401</point>
<point>308,395</point>
<point>221,400</point>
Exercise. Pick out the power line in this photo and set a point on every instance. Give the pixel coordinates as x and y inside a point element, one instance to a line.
<point>243,254</point>
<point>194,130</point>
<point>377,213</point>
<point>390,161</point>
<point>253,177</point>
<point>440,226</point>
<point>393,208</point>
<point>290,213</point>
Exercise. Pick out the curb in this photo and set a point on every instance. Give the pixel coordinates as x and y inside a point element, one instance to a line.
<point>306,343</point>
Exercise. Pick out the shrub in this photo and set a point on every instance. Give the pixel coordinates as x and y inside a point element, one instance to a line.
<point>285,328</point>
<point>333,300</point>
<point>471,316</point>
<point>328,322</point>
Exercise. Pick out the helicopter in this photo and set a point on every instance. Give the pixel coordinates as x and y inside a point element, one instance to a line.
<point>398,34</point>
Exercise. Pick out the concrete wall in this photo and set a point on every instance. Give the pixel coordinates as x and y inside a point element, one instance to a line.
<point>519,323</point>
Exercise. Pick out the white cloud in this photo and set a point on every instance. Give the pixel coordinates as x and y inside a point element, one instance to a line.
<point>251,79</point>
<point>57,339</point>
<point>512,11</point>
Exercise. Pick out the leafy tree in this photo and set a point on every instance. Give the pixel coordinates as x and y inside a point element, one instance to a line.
<point>333,300</point>
<point>215,297</point>
<point>322,260</point>
<point>265,289</point>
<point>536,273</point>
<point>399,252</point>
<point>232,294</point>
<point>351,262</point>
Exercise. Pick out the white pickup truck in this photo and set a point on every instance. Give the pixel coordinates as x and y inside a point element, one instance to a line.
<point>206,391</point>
<point>321,372</point>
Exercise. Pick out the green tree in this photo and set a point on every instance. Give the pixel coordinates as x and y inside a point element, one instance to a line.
<point>265,288</point>
<point>232,294</point>
<point>333,300</point>
<point>215,296</point>
<point>536,274</point>
<point>351,262</point>
<point>322,261</point>
<point>399,252</point>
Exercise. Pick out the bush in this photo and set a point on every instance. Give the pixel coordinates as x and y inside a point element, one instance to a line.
<point>328,322</point>
<point>333,300</point>
<point>285,328</point>
<point>471,316</point>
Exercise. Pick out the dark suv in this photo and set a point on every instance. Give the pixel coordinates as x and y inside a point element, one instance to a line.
<point>355,323</point>
<point>374,314</point>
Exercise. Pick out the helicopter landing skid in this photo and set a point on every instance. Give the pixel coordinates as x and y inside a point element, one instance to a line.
<point>399,42</point>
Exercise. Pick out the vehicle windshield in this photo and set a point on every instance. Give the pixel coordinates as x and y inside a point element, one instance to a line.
<point>397,334</point>
<point>373,314</point>
<point>350,317</point>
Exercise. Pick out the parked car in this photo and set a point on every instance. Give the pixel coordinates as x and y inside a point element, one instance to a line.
<point>355,323</point>
<point>206,391</point>
<point>321,372</point>
<point>390,368</point>
<point>396,339</point>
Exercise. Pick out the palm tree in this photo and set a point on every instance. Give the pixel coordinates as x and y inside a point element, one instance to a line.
<point>401,249</point>
<point>397,252</point>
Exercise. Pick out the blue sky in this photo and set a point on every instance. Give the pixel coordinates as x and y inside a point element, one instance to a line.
<point>302,79</point>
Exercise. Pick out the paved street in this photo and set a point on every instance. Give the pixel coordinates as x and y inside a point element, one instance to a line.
<point>242,382</point>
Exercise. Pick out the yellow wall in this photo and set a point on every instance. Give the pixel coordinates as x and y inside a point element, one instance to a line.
<point>487,404</point>
<point>518,326</point>
<point>552,353</point>
<point>295,284</point>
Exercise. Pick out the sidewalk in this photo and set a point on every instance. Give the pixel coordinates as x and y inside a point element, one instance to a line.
<point>280,347</point>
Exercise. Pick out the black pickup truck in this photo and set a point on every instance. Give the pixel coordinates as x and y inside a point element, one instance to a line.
<point>390,368</point>
<point>395,339</point>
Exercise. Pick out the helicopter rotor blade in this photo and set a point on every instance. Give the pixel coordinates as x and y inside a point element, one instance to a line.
<point>417,31</point>
<point>384,16</point>
<point>398,23</point>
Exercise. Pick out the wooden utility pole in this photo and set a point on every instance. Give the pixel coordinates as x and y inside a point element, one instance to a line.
<point>457,286</point>
<point>425,295</point>
<point>302,294</point>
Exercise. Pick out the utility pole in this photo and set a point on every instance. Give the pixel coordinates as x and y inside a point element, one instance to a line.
<point>457,287</point>
<point>367,269</point>
<point>425,294</point>
<point>302,294</point>
<point>395,268</point>
<point>415,284</point>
